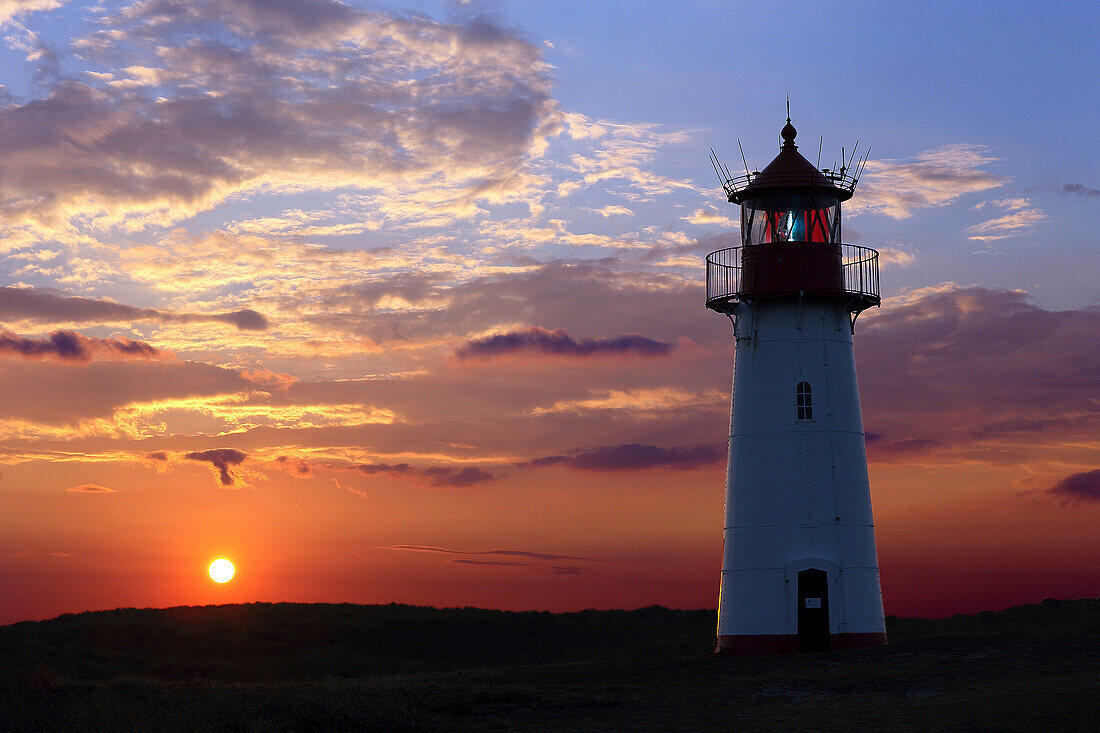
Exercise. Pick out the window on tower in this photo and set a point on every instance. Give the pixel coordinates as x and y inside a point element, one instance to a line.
<point>804,400</point>
<point>790,218</point>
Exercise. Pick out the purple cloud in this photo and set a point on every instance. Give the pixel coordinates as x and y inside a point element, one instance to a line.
<point>1084,486</point>
<point>559,342</point>
<point>878,447</point>
<point>442,477</point>
<point>71,346</point>
<point>394,469</point>
<point>221,459</point>
<point>456,478</point>
<point>41,306</point>
<point>635,456</point>
<point>1079,189</point>
<point>507,553</point>
<point>1066,189</point>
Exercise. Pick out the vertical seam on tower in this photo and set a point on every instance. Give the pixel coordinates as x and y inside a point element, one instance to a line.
<point>839,605</point>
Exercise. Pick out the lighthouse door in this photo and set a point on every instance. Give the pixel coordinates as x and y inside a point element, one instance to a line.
<point>813,610</point>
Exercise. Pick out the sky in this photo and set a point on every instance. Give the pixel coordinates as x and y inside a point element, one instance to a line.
<point>404,302</point>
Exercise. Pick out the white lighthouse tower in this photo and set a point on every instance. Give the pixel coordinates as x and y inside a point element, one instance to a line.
<point>800,570</point>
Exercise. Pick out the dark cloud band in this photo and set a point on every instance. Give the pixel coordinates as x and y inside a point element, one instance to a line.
<point>635,457</point>
<point>559,342</point>
<point>72,346</point>
<point>46,307</point>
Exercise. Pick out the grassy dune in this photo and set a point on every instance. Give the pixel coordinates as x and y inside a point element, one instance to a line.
<point>347,667</point>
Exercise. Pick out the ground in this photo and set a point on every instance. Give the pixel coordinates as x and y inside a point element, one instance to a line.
<point>1030,668</point>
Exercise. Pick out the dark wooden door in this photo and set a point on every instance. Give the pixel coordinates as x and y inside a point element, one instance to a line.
<point>813,610</point>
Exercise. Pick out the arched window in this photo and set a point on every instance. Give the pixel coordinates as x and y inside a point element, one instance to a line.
<point>804,400</point>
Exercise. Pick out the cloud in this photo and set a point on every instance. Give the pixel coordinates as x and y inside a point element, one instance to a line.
<point>91,489</point>
<point>488,562</point>
<point>1021,216</point>
<point>456,478</point>
<point>296,466</point>
<point>374,468</point>
<point>932,178</point>
<point>655,400</point>
<point>880,449</point>
<point>506,553</point>
<point>194,101</point>
<point>992,376</point>
<point>116,392</point>
<point>617,151</point>
<point>1084,486</point>
<point>71,346</point>
<point>12,8</point>
<point>709,216</point>
<point>221,459</point>
<point>559,342</point>
<point>1067,189</point>
<point>636,457</point>
<point>896,256</point>
<point>612,210</point>
<point>440,477</point>
<point>41,306</point>
<point>1078,189</point>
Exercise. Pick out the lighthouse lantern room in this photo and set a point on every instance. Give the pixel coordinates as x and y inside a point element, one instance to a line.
<point>800,570</point>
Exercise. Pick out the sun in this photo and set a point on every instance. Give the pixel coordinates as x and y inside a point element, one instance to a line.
<point>221,570</point>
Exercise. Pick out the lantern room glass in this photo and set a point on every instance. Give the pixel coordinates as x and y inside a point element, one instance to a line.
<point>800,217</point>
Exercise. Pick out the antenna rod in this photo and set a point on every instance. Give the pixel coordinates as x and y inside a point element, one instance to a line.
<point>714,164</point>
<point>842,166</point>
<point>819,141</point>
<point>788,107</point>
<point>743,157</point>
<point>864,164</point>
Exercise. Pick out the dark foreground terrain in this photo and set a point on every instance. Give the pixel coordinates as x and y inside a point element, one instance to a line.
<point>278,667</point>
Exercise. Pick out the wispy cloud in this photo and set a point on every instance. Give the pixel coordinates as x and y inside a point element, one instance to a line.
<point>636,457</point>
<point>932,178</point>
<point>1066,189</point>
<point>1020,217</point>
<point>506,553</point>
<point>612,210</point>
<point>710,216</point>
<point>90,489</point>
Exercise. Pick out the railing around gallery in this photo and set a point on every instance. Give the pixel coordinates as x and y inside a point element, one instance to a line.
<point>860,275</point>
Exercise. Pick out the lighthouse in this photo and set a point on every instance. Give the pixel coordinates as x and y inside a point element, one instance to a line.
<point>799,569</point>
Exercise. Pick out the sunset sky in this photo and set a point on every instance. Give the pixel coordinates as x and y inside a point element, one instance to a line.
<point>404,303</point>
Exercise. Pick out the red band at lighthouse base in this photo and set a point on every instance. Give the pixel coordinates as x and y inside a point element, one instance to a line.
<point>754,644</point>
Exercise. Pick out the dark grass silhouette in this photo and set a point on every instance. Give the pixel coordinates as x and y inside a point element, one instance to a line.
<point>347,667</point>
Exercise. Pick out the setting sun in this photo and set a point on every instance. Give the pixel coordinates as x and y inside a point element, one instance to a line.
<point>221,571</point>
